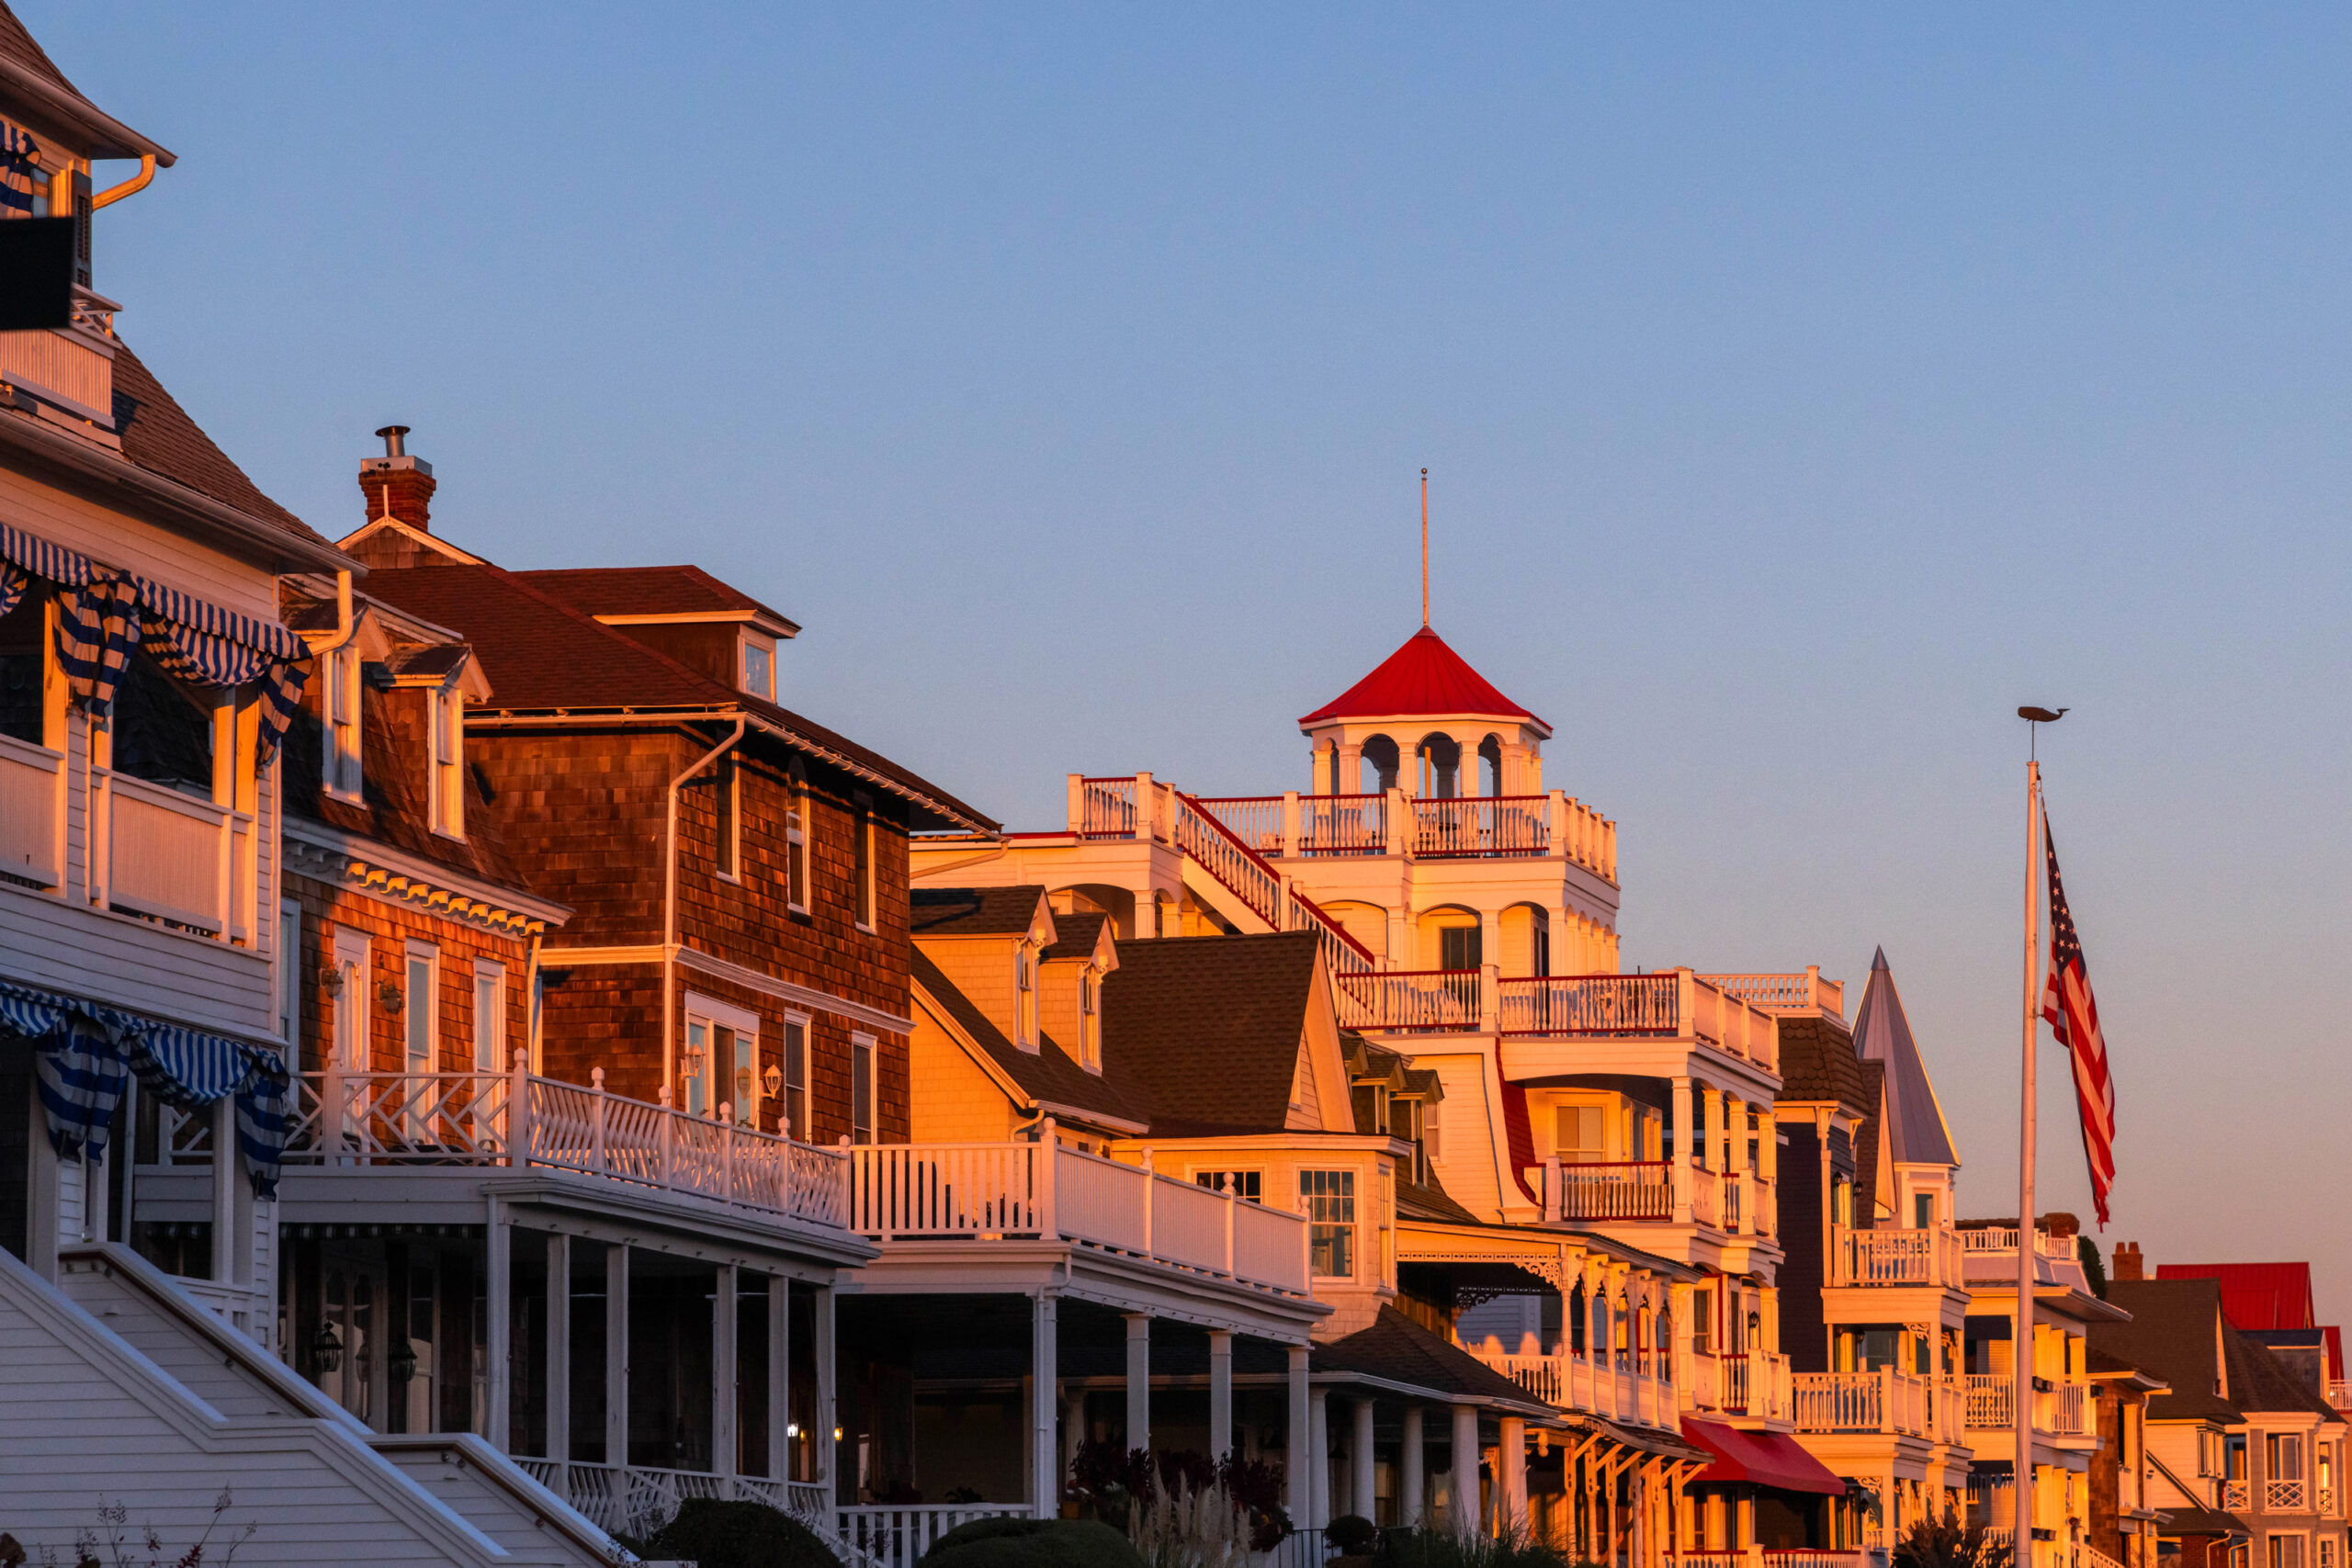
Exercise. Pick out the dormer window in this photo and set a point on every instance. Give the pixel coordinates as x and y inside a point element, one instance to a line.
<point>758,669</point>
<point>1024,987</point>
<point>342,768</point>
<point>445,718</point>
<point>1090,1020</point>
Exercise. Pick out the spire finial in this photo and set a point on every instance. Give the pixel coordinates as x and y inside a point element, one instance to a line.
<point>1425,549</point>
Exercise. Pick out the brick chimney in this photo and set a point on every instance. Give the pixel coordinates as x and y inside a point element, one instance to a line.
<point>398,483</point>
<point>2126,1264</point>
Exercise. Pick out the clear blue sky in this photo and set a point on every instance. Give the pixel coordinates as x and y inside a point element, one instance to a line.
<point>1802,390</point>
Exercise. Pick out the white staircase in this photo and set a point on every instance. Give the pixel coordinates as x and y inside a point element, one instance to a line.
<point>117,1389</point>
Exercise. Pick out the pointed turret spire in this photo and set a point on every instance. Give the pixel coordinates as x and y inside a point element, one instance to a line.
<point>1915,1128</point>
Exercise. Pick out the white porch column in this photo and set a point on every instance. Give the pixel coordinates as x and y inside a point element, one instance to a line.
<point>1411,1484</point>
<point>724,1325</point>
<point>779,1376</point>
<point>1735,1164</point>
<point>1510,1481</point>
<point>1298,1492</point>
<point>1678,1158</point>
<point>617,1353</point>
<point>1362,1483</point>
<point>559,1340</point>
<point>1045,1461</point>
<point>498,1306</point>
<point>828,1420</point>
<point>1318,1457</point>
<point>1139,1379</point>
<point>1220,1393</point>
<point>1712,1100</point>
<point>1466,1470</point>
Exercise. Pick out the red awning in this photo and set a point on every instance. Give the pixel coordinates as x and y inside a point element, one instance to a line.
<point>1760,1459</point>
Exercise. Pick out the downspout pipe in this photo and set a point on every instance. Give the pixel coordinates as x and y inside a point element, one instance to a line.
<point>669,903</point>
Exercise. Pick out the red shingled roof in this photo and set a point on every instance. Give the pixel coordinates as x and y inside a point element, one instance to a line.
<point>1424,676</point>
<point>2255,1296</point>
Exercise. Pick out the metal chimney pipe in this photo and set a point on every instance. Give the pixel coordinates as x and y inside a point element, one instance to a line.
<point>394,444</point>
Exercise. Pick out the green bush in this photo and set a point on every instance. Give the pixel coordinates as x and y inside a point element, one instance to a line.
<point>1031,1543</point>
<point>737,1535</point>
<point>1516,1548</point>
<point>1350,1535</point>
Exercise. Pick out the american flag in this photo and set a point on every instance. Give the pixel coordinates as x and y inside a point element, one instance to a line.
<point>2073,1014</point>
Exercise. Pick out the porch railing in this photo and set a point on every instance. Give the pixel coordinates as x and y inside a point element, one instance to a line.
<point>637,1500</point>
<point>1673,1003</point>
<point>950,1191</point>
<point>32,811</point>
<point>1589,1385</point>
<point>1757,1385</point>
<point>175,856</point>
<point>343,1119</point>
<point>1614,1189</point>
<point>1930,1257</point>
<point>1881,1401</point>
<point>1482,827</point>
<point>894,1535</point>
<point>1413,1001</point>
<point>1783,993</point>
<point>1992,1401</point>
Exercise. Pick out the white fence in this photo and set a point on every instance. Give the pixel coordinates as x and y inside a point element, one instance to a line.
<point>1932,1257</point>
<point>896,1536</point>
<point>637,1500</point>
<point>936,1191</point>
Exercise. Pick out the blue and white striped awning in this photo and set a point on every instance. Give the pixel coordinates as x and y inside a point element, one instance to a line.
<point>41,557</point>
<point>211,620</point>
<point>85,1053</point>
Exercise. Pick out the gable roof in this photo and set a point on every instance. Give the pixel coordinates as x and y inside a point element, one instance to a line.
<point>1916,1132</point>
<point>1047,1076</point>
<point>1211,1028</point>
<point>27,66</point>
<point>973,911</point>
<point>1425,676</point>
<point>2174,1333</point>
<point>1075,935</point>
<point>1818,1064</point>
<point>159,436</point>
<point>2259,1380</point>
<point>651,591</point>
<point>542,655</point>
<point>2256,1297</point>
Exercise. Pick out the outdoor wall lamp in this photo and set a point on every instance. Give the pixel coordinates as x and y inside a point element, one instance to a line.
<point>402,1362</point>
<point>326,1350</point>
<point>773,1081</point>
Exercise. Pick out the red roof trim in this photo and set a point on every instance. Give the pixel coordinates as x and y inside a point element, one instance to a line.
<point>1424,676</point>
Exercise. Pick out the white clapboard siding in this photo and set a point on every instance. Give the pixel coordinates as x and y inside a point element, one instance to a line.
<point>118,538</point>
<point>88,1418</point>
<point>202,1353</point>
<point>133,963</point>
<point>487,1490</point>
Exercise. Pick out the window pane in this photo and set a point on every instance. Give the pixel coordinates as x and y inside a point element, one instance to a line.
<point>489,1024</point>
<point>861,1091</point>
<point>418,1008</point>
<point>746,1091</point>
<point>1330,1211</point>
<point>796,1080</point>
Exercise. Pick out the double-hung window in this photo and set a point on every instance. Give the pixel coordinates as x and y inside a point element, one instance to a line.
<point>862,863</point>
<point>758,669</point>
<point>420,1020</point>
<point>1330,1222</point>
<point>864,1089</point>
<point>1580,1135</point>
<point>489,1015</point>
<point>341,699</point>
<point>794,1110</point>
<point>447,711</point>
<point>1090,1020</point>
<point>726,797</point>
<point>1024,989</point>
<point>796,839</point>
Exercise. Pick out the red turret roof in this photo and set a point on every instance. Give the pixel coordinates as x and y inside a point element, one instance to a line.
<point>1424,676</point>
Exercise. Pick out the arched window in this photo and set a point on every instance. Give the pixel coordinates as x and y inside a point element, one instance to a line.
<point>1378,767</point>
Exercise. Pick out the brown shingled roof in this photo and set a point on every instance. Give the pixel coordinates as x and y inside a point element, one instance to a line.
<point>649,590</point>
<point>2172,1335</point>
<point>1212,1027</point>
<point>159,436</point>
<point>541,654</point>
<point>1396,1349</point>
<point>1818,1063</point>
<point>973,911</point>
<point>1048,1075</point>
<point>17,43</point>
<point>1075,935</point>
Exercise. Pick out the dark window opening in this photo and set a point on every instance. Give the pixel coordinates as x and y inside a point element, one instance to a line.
<point>163,730</point>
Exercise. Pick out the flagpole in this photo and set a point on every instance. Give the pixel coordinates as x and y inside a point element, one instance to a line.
<point>2021,1345</point>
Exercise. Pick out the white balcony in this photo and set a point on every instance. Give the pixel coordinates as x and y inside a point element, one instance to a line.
<point>1807,992</point>
<point>1672,1004</point>
<point>345,1121</point>
<point>1591,1386</point>
<point>1932,1257</point>
<point>1660,1191</point>
<point>2062,1408</point>
<point>32,812</point>
<point>1989,1259</point>
<point>1881,1401</point>
<point>1758,1385</point>
<point>934,1193</point>
<point>177,857</point>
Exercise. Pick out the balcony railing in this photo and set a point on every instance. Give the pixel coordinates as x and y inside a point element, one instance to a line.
<point>1674,1003</point>
<point>1591,1385</point>
<point>637,1500</point>
<point>2237,1494</point>
<point>1757,1385</point>
<point>32,812</point>
<point>1288,825</point>
<point>957,1192</point>
<point>1881,1401</point>
<point>2062,1408</point>
<point>1413,1001</point>
<point>344,1120</point>
<point>1783,993</point>
<point>1992,1402</point>
<point>1606,1190</point>
<point>174,856</point>
<point>1930,1257</point>
<point>1989,1256</point>
<point>2287,1496</point>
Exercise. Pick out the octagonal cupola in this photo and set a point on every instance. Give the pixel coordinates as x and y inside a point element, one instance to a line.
<point>1425,722</point>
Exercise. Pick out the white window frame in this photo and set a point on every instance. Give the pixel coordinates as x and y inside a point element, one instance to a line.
<point>341,757</point>
<point>446,721</point>
<point>490,1021</point>
<point>413,954</point>
<point>1234,1179</point>
<point>290,979</point>
<point>795,837</point>
<point>726,807</point>
<point>1025,995</point>
<point>792,1064</point>
<point>709,1015</point>
<point>1090,1019</point>
<point>351,1000</point>
<point>1343,1228</point>
<point>865,1088</point>
<point>747,645</point>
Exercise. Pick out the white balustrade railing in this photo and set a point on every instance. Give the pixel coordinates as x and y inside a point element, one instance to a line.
<point>1343,824</point>
<point>1591,1386</point>
<point>2064,1410</point>
<point>1881,1401</point>
<point>32,812</point>
<point>1402,1001</point>
<point>1233,862</point>
<point>637,1500</point>
<point>1783,993</point>
<point>1757,1385</point>
<point>946,1191</point>
<point>1930,1257</point>
<point>1256,820</point>
<point>1591,1004</point>
<point>2237,1494</point>
<point>895,1536</point>
<point>1105,808</point>
<point>1992,1401</point>
<point>346,1118</point>
<point>1482,826</point>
